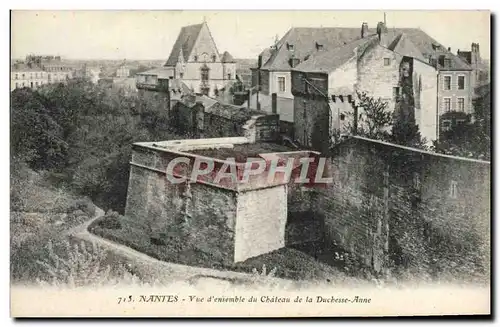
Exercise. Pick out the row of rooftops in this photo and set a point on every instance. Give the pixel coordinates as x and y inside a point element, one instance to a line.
<point>318,49</point>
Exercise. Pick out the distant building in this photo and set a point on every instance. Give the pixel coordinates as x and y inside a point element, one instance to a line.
<point>123,71</point>
<point>196,60</point>
<point>36,71</point>
<point>23,75</point>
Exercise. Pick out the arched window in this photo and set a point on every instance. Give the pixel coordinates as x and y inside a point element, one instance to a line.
<point>205,73</point>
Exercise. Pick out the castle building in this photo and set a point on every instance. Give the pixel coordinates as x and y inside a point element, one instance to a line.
<point>196,61</point>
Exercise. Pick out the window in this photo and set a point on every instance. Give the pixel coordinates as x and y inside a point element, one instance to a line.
<point>24,76</point>
<point>205,90</point>
<point>31,76</point>
<point>447,104</point>
<point>281,84</point>
<point>453,189</point>
<point>461,104</point>
<point>319,47</point>
<point>17,85</point>
<point>49,76</point>
<point>204,73</point>
<point>17,76</point>
<point>460,121</point>
<point>447,83</point>
<point>395,93</point>
<point>387,61</point>
<point>342,117</point>
<point>229,76</point>
<point>461,82</point>
<point>195,58</point>
<point>181,75</point>
<point>289,46</point>
<point>31,84</point>
<point>23,84</point>
<point>447,63</point>
<point>36,83</point>
<point>214,58</point>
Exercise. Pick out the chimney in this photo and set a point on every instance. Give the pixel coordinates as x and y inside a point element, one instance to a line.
<point>274,103</point>
<point>259,62</point>
<point>382,33</point>
<point>449,49</point>
<point>364,30</point>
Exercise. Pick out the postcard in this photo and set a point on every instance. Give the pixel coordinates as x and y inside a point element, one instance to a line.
<point>250,163</point>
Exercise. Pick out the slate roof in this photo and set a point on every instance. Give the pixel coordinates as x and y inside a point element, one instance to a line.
<point>178,85</point>
<point>25,68</point>
<point>404,46</point>
<point>184,43</point>
<point>304,41</point>
<point>227,58</point>
<point>328,61</point>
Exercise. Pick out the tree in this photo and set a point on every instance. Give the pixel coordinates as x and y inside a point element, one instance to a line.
<point>470,139</point>
<point>373,118</point>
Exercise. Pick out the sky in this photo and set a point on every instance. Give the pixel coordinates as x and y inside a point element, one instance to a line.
<point>150,35</point>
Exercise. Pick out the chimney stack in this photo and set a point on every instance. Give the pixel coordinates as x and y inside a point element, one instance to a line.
<point>449,49</point>
<point>364,30</point>
<point>382,33</point>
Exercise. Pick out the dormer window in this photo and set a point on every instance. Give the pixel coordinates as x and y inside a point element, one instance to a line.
<point>319,46</point>
<point>195,58</point>
<point>447,63</point>
<point>214,58</point>
<point>289,46</point>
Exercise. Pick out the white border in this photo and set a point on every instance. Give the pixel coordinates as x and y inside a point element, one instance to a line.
<point>194,4</point>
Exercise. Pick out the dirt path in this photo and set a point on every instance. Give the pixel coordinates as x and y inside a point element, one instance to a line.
<point>162,271</point>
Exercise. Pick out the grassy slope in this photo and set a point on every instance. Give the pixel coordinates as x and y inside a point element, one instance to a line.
<point>40,215</point>
<point>289,263</point>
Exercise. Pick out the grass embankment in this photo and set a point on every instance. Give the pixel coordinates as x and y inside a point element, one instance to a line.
<point>41,215</point>
<point>284,263</point>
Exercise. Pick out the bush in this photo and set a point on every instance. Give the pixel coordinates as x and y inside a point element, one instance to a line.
<point>110,221</point>
<point>84,205</point>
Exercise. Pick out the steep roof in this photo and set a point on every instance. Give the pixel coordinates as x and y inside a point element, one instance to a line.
<point>227,58</point>
<point>327,61</point>
<point>304,41</point>
<point>184,44</point>
<point>178,85</point>
<point>404,46</point>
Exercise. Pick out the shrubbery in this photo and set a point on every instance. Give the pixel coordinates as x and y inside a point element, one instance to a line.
<point>83,133</point>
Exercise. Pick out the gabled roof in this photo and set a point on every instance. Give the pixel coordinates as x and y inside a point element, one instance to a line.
<point>404,46</point>
<point>304,42</point>
<point>227,58</point>
<point>184,44</point>
<point>328,61</point>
